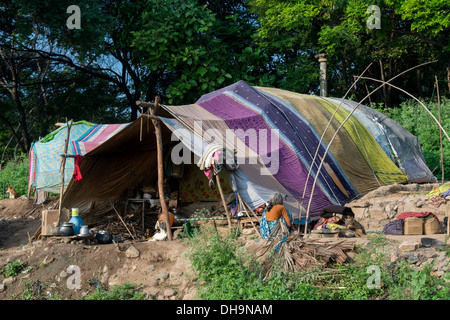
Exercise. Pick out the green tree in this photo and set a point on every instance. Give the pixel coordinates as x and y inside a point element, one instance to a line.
<point>292,30</point>
<point>206,45</point>
<point>37,88</point>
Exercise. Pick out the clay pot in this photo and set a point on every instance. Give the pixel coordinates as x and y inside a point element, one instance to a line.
<point>66,229</point>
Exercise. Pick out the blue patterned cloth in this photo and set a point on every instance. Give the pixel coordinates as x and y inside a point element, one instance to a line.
<point>266,228</point>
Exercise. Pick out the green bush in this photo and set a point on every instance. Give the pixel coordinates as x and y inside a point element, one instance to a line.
<point>15,174</point>
<point>226,272</point>
<point>12,269</point>
<point>126,291</point>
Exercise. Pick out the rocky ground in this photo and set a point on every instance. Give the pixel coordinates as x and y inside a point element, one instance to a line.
<point>160,269</point>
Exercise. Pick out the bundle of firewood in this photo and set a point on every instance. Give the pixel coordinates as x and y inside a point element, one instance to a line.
<point>295,253</point>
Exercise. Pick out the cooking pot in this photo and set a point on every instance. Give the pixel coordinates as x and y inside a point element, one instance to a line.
<point>66,229</point>
<point>103,237</point>
<point>84,231</point>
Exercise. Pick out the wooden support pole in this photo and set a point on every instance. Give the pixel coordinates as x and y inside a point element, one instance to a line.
<point>252,212</point>
<point>159,147</point>
<point>447,211</point>
<point>223,200</point>
<point>63,169</point>
<point>143,216</point>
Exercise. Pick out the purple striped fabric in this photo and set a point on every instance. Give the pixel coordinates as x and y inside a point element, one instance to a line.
<point>291,172</point>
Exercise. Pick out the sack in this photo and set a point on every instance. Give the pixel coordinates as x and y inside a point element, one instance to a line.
<point>413,226</point>
<point>395,227</point>
<point>432,226</point>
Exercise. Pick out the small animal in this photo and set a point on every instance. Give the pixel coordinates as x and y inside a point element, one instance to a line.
<point>12,192</point>
<point>352,224</point>
<point>160,234</point>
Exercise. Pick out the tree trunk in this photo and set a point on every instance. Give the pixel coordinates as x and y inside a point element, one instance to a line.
<point>10,62</point>
<point>22,118</point>
<point>13,133</point>
<point>386,92</point>
<point>448,78</point>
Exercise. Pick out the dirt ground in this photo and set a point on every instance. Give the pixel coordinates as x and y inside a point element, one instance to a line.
<point>159,268</point>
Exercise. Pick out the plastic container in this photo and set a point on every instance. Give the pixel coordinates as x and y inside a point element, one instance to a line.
<point>76,221</point>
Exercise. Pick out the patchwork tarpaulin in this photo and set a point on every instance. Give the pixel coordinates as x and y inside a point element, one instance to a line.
<point>287,128</point>
<point>399,144</point>
<point>95,137</point>
<point>45,155</point>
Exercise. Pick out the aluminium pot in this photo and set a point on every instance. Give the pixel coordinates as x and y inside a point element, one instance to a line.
<point>84,231</point>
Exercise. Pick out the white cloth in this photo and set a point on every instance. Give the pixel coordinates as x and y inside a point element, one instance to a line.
<point>205,161</point>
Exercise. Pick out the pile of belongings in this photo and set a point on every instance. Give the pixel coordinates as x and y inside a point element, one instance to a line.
<point>414,223</point>
<point>213,159</point>
<point>339,218</point>
<point>440,195</point>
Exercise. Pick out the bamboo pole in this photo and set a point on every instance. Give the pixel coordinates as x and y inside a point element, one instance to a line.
<point>156,123</point>
<point>345,120</point>
<point>63,168</point>
<point>420,102</point>
<point>326,128</point>
<point>318,147</point>
<point>252,212</point>
<point>223,200</point>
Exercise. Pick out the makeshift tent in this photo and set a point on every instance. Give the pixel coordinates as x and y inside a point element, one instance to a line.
<point>274,134</point>
<point>364,156</point>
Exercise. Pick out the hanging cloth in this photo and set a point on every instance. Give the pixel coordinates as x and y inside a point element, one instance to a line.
<point>76,171</point>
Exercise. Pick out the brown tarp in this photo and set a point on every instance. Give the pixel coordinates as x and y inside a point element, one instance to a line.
<point>122,162</point>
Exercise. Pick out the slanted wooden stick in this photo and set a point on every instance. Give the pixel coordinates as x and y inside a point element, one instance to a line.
<point>122,220</point>
<point>159,148</point>
<point>223,200</point>
<point>248,215</point>
<point>440,130</point>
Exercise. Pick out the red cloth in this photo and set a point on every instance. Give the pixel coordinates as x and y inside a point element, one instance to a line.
<point>405,215</point>
<point>76,171</point>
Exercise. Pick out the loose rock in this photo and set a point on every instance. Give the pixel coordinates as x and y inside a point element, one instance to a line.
<point>169,292</point>
<point>408,246</point>
<point>132,252</point>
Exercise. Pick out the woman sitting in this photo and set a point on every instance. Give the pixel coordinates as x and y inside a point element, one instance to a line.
<point>273,214</point>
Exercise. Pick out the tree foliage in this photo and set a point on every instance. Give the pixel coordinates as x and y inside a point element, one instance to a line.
<point>135,50</point>
<point>411,32</point>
